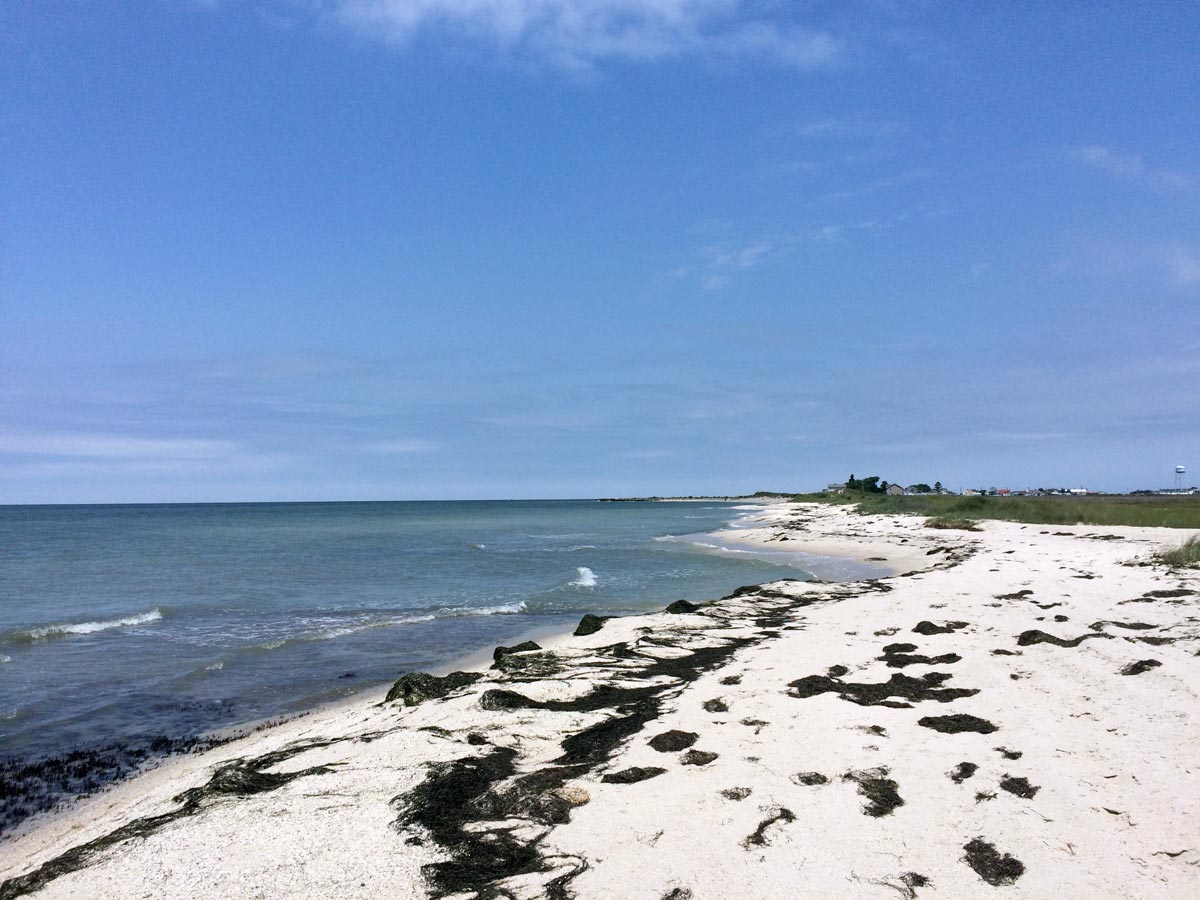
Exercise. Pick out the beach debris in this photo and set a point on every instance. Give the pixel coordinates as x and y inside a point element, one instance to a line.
<point>756,724</point>
<point>995,868</point>
<point>673,741</point>
<point>1142,665</point>
<point>1009,754</point>
<point>905,885</point>
<point>523,647</point>
<point>837,671</point>
<point>927,628</point>
<point>881,793</point>
<point>590,624</point>
<point>897,656</point>
<point>1034,636</point>
<point>1015,595</point>
<point>682,606</point>
<point>498,699</point>
<point>963,771</point>
<point>697,758</point>
<point>736,793</point>
<point>1019,786</point>
<point>957,723</point>
<point>980,796</point>
<point>731,679</point>
<point>716,705</point>
<point>417,687</point>
<point>679,893</point>
<point>809,779</point>
<point>759,837</point>
<point>235,778</point>
<point>633,775</point>
<point>868,694</point>
<point>475,739</point>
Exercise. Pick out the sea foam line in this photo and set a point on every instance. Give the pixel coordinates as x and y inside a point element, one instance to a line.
<point>67,629</point>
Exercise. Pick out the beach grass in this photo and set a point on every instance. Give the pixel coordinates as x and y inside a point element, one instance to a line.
<point>1144,511</point>
<point>952,523</point>
<point>1186,555</point>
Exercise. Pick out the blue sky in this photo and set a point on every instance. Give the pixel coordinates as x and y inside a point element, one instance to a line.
<point>410,249</point>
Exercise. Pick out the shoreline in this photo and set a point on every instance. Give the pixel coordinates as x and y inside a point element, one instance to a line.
<point>683,666</point>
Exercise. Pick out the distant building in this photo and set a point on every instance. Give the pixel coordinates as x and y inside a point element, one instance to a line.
<point>894,490</point>
<point>838,488</point>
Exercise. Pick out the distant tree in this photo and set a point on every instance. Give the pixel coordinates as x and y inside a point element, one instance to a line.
<point>921,488</point>
<point>871,485</point>
<point>938,487</point>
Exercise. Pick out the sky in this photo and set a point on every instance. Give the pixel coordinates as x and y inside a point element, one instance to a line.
<point>452,249</point>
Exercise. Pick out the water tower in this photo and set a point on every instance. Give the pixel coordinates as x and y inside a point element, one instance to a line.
<point>1180,471</point>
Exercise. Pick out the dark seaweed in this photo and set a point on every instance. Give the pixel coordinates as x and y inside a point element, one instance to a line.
<point>867,694</point>
<point>1019,786</point>
<point>957,724</point>
<point>590,624</point>
<point>810,779</point>
<point>1142,665</point>
<point>837,671</point>
<point>417,687</point>
<point>1017,595</point>
<point>736,793</point>
<point>1033,636</point>
<point>697,758</point>
<point>990,865</point>
<point>881,793</point>
<point>963,771</point>
<point>1008,754</point>
<point>673,741</point>
<point>682,606</point>
<point>716,705</point>
<point>759,837</point>
<point>928,628</point>
<point>236,778</point>
<point>633,775</point>
<point>523,647</point>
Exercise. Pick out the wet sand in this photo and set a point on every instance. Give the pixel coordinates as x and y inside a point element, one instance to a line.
<point>1013,713</point>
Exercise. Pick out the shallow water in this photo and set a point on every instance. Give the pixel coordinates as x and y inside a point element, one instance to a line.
<point>120,622</point>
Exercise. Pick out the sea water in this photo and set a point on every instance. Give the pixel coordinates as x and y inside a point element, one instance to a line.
<point>124,623</point>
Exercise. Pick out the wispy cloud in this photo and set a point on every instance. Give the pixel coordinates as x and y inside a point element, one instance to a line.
<point>579,34</point>
<point>1132,167</point>
<point>853,127</point>
<point>112,447</point>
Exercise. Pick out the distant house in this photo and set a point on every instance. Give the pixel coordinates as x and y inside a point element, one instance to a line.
<point>894,490</point>
<point>838,488</point>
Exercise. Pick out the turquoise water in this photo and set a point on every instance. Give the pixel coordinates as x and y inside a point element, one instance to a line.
<point>123,622</point>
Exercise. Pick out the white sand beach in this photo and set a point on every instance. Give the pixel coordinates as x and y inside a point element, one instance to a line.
<point>1011,713</point>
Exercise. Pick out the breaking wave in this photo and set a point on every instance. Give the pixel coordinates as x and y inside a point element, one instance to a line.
<point>48,632</point>
<point>585,578</point>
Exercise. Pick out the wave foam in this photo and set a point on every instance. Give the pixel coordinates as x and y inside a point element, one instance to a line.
<point>68,629</point>
<point>585,578</point>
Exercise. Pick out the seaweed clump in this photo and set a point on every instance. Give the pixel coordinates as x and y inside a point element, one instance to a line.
<point>759,837</point>
<point>673,741</point>
<point>417,687</point>
<point>901,686</point>
<point>633,775</point>
<point>927,628</point>
<point>995,868</point>
<point>1142,665</point>
<point>957,724</point>
<point>1034,636</point>
<point>882,793</point>
<point>1019,786</point>
<point>963,771</point>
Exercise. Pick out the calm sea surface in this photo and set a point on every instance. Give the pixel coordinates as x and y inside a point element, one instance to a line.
<point>122,622</point>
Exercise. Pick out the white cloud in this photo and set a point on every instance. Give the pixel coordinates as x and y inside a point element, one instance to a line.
<point>112,447</point>
<point>1133,168</point>
<point>1183,263</point>
<point>578,34</point>
<point>411,445</point>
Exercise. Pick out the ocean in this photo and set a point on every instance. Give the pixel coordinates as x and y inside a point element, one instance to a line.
<point>123,628</point>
